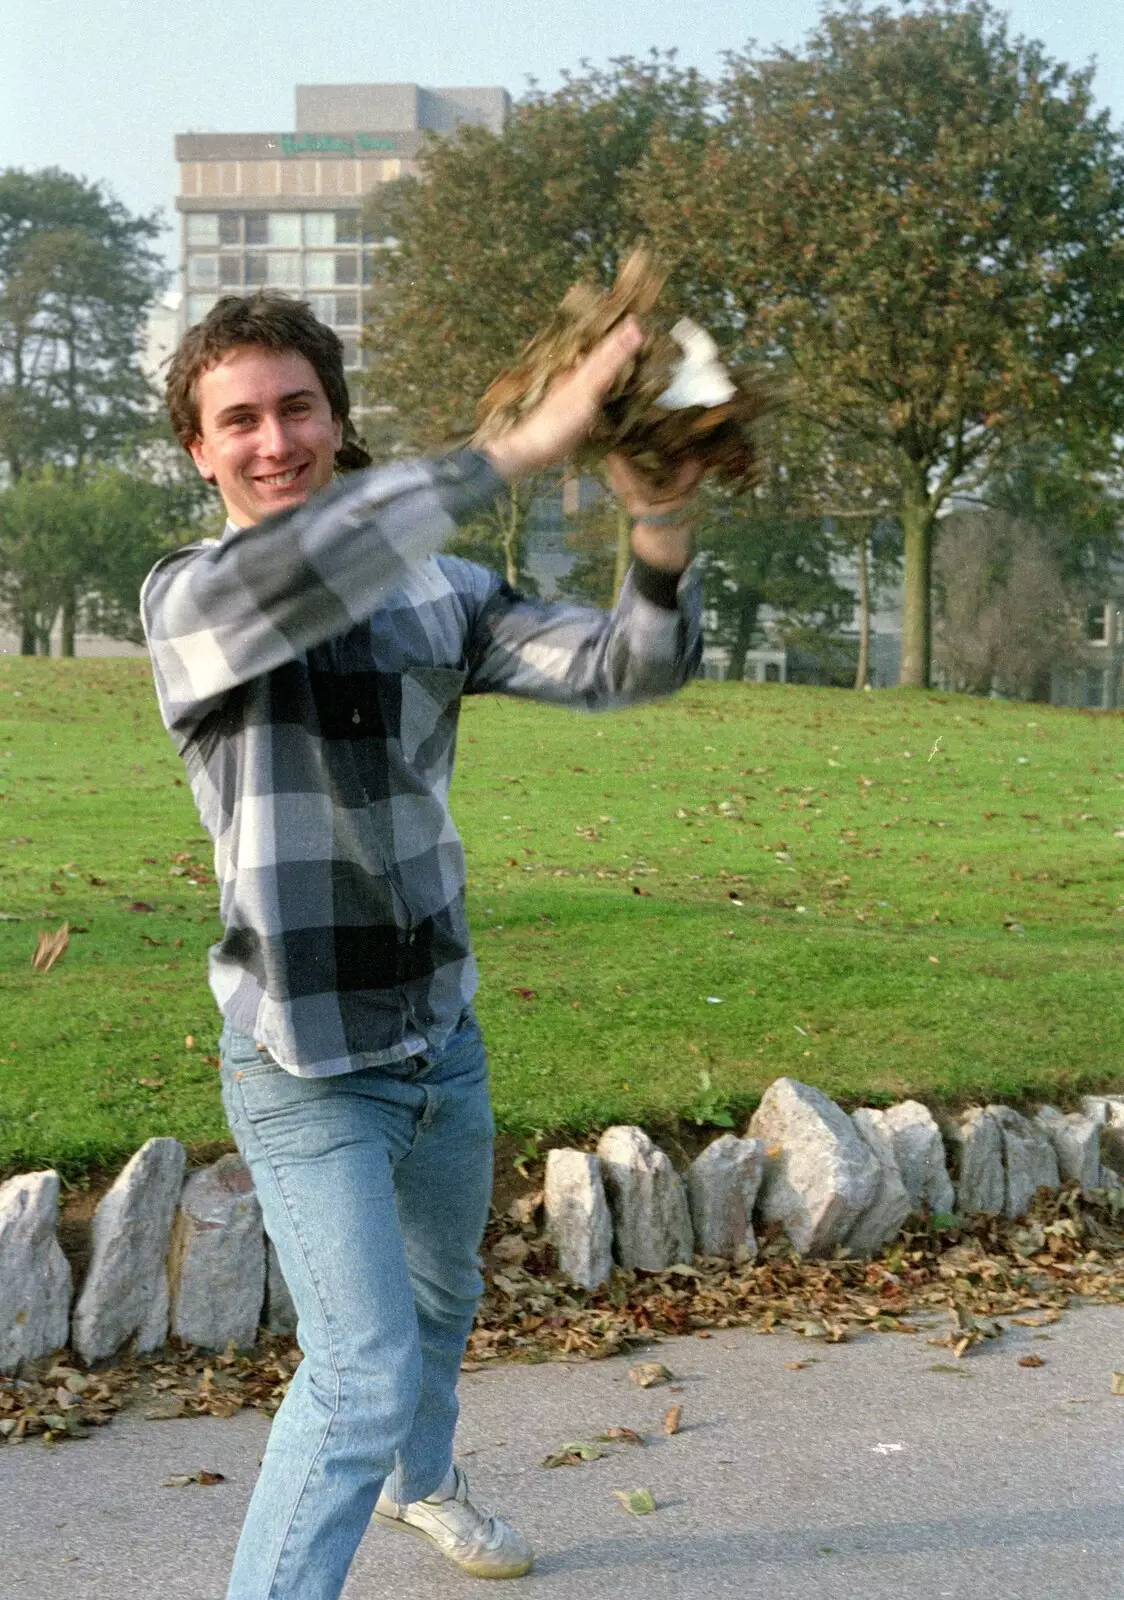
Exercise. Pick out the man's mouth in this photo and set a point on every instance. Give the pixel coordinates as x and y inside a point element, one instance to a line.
<point>281,480</point>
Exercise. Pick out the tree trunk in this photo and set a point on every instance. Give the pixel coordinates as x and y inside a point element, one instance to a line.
<point>862,671</point>
<point>69,624</point>
<point>28,634</point>
<point>747,622</point>
<point>624,552</point>
<point>918,521</point>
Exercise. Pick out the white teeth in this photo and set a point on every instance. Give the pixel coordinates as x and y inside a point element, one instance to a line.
<point>280,479</point>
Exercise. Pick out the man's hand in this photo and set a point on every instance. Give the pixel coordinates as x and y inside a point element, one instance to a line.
<point>549,433</point>
<point>665,545</point>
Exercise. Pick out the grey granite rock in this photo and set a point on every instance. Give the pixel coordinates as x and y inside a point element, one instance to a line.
<point>1076,1139</point>
<point>125,1293</point>
<point>891,1203</point>
<point>280,1314</point>
<point>216,1264</point>
<point>1107,1110</point>
<point>651,1221</point>
<point>34,1273</point>
<point>975,1141</point>
<point>1029,1161</point>
<point>919,1151</point>
<point>820,1174</point>
<point>578,1223</point>
<point>722,1185</point>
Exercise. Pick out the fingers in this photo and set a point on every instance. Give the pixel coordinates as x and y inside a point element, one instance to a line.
<point>600,367</point>
<point>639,495</point>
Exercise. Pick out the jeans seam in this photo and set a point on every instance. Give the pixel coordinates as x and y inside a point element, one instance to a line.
<point>251,1132</point>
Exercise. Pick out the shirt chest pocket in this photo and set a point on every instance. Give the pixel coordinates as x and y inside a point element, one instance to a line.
<point>428,707</point>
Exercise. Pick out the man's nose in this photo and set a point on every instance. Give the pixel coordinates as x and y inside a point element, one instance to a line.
<point>272,437</point>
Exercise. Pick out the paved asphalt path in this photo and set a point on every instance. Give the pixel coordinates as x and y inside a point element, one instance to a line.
<point>864,1474</point>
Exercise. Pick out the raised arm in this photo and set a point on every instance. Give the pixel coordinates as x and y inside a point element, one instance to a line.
<point>220,613</point>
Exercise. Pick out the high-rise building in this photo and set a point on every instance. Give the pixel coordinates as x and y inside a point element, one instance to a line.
<point>284,209</point>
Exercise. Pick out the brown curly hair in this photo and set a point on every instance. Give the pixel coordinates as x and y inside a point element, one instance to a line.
<point>270,321</point>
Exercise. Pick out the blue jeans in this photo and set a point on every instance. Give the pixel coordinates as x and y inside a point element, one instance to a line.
<point>374,1188</point>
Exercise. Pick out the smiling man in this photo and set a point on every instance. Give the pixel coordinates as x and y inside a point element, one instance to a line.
<point>310,665</point>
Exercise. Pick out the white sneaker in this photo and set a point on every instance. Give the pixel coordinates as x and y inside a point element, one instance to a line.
<point>474,1540</point>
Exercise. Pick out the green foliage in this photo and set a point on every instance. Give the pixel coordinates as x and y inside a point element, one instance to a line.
<point>919,218</point>
<point>752,554</point>
<point>594,996</point>
<point>77,275</point>
<point>85,545</point>
<point>711,1108</point>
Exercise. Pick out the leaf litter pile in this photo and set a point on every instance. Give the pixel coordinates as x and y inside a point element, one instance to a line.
<point>1068,1251</point>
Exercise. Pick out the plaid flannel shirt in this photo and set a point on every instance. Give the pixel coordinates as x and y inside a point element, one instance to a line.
<point>310,671</point>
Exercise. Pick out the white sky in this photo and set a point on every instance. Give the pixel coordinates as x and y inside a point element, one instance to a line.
<point>100,87</point>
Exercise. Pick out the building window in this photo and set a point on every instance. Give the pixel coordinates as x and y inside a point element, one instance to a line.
<point>202,227</point>
<point>350,350</point>
<point>230,228</point>
<point>1096,624</point>
<point>283,270</point>
<point>323,306</point>
<point>197,307</point>
<point>256,270</point>
<point>772,672</point>
<point>347,310</point>
<point>369,259</point>
<point>347,227</point>
<point>347,267</point>
<point>230,272</point>
<point>319,271</point>
<point>319,227</point>
<point>202,272</point>
<point>285,229</point>
<point>257,227</point>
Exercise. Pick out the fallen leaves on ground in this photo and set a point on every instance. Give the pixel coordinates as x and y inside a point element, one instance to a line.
<point>672,1419</point>
<point>637,1502</point>
<point>181,1480</point>
<point>572,1455</point>
<point>1031,1361</point>
<point>649,1374</point>
<point>54,1401</point>
<point>1070,1250</point>
<point>50,947</point>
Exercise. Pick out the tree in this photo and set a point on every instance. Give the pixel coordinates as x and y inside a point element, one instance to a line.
<point>1005,615</point>
<point>77,276</point>
<point>920,217</point>
<point>498,228</point>
<point>83,546</point>
<point>1015,569</point>
<point>754,553</point>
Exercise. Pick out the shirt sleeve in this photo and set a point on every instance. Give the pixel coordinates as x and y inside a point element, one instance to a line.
<point>649,645</point>
<point>221,612</point>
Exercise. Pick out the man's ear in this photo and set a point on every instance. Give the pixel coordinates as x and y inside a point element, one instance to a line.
<point>199,456</point>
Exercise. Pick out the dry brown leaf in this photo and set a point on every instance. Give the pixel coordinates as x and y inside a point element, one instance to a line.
<point>649,1374</point>
<point>1118,1383</point>
<point>50,947</point>
<point>1031,1361</point>
<point>672,1418</point>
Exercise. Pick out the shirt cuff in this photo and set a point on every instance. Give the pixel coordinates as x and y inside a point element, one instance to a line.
<point>654,584</point>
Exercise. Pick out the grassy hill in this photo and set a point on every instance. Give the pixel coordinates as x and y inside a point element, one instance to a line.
<point>887,894</point>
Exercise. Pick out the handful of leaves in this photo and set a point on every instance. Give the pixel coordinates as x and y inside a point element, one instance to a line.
<point>673,401</point>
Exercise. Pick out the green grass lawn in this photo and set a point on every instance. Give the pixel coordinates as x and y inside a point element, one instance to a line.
<point>888,894</point>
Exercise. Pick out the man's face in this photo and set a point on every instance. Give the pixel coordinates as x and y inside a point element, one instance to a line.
<point>267,437</point>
